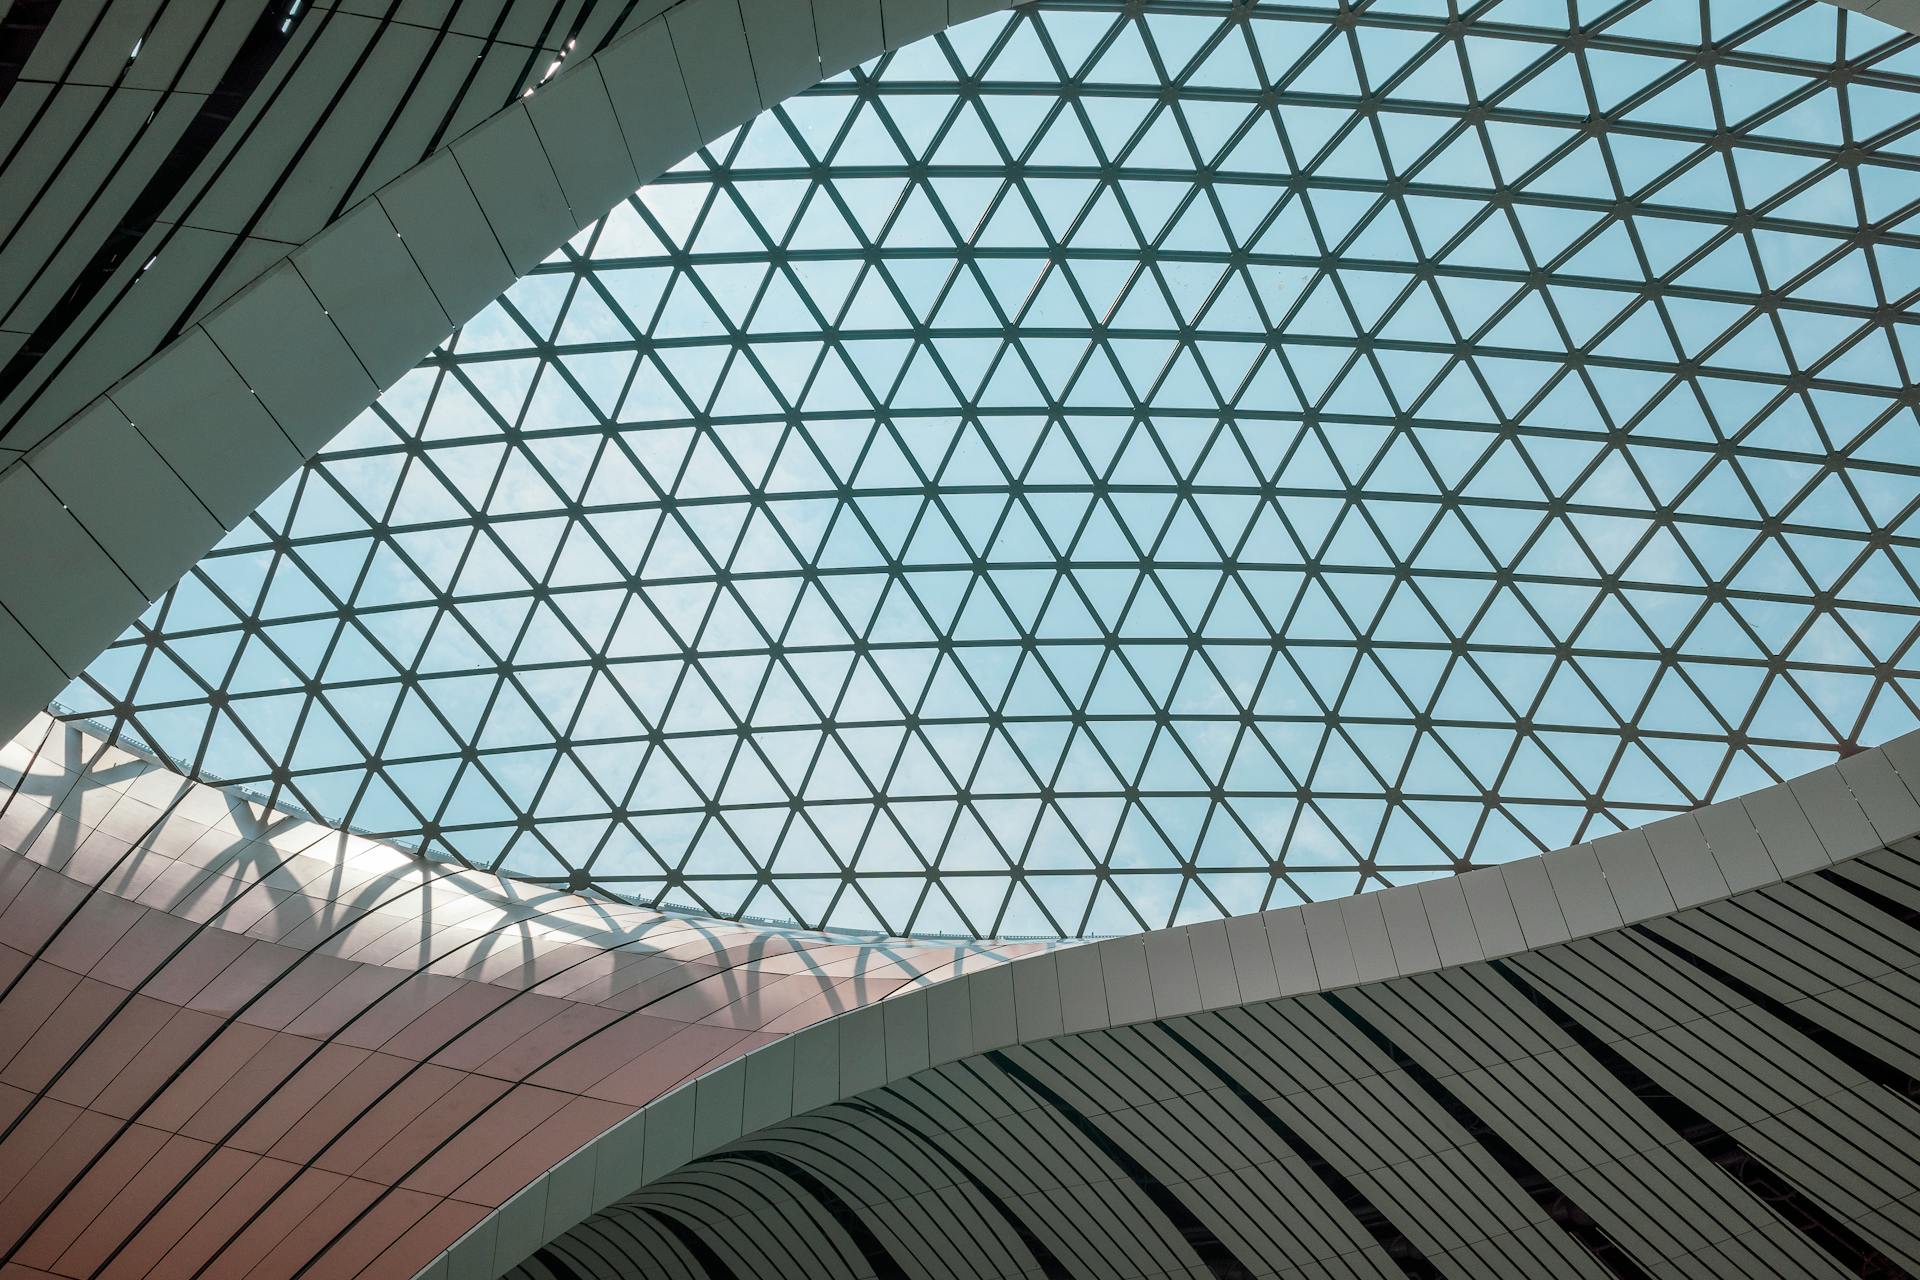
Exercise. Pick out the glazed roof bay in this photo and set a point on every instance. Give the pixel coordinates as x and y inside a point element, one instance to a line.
<point>1107,467</point>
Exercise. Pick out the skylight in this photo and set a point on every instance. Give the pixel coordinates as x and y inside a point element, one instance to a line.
<point>1107,467</point>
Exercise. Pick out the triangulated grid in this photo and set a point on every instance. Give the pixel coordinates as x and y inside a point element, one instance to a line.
<point>1119,465</point>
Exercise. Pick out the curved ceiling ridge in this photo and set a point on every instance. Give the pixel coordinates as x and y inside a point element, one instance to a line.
<point>1844,831</point>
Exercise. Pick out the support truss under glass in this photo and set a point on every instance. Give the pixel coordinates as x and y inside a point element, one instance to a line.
<point>1113,465</point>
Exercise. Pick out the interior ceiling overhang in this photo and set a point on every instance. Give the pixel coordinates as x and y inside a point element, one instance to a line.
<point>238,1043</point>
<point>241,1044</point>
<point>243,191</point>
<point>1665,1054</point>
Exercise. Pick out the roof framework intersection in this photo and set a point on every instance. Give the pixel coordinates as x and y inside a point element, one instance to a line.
<point>1116,465</point>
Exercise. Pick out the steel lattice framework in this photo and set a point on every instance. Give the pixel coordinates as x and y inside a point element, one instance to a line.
<point>1115,465</point>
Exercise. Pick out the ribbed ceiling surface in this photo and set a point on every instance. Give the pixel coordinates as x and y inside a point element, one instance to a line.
<point>1110,466</point>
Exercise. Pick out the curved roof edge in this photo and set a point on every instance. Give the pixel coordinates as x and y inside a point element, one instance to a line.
<point>128,493</point>
<point>1904,14</point>
<point>87,762</point>
<point>181,966</point>
<point>1830,816</point>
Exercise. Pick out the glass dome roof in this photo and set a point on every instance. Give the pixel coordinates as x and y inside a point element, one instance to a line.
<point>1117,465</point>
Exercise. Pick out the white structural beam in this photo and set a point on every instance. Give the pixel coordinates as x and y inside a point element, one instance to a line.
<point>1373,948</point>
